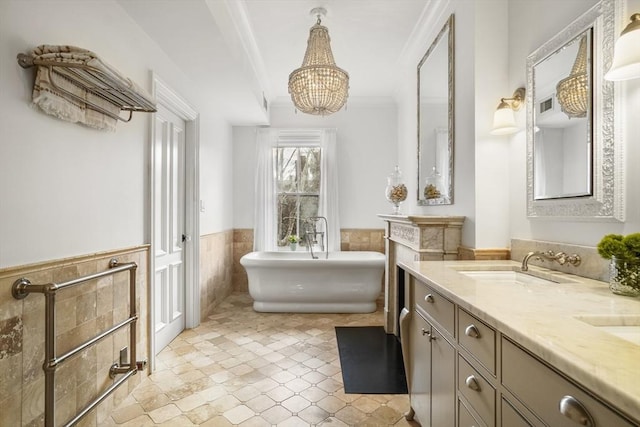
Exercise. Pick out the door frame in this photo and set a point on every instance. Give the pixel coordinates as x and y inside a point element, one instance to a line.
<point>174,102</point>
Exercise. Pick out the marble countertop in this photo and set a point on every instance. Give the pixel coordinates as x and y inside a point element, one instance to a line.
<point>545,319</point>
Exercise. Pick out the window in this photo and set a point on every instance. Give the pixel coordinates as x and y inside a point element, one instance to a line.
<point>298,173</point>
<point>296,178</point>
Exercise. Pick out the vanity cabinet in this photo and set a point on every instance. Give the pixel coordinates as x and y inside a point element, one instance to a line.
<point>551,397</point>
<point>431,372</point>
<point>476,379</point>
<point>479,339</point>
<point>477,391</point>
<point>461,371</point>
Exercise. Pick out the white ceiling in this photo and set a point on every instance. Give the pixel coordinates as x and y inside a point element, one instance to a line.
<point>242,49</point>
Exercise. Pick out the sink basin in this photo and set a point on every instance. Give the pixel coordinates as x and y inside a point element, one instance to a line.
<point>626,327</point>
<point>506,277</point>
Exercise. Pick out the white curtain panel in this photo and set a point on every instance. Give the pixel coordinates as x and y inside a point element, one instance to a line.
<point>265,228</point>
<point>265,213</point>
<point>329,189</point>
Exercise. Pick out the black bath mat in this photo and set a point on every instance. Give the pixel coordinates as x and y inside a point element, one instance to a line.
<point>371,360</point>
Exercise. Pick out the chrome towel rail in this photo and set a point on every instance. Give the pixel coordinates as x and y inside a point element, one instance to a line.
<point>23,287</point>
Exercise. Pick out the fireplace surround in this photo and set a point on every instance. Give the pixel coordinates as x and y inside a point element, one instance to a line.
<point>415,238</point>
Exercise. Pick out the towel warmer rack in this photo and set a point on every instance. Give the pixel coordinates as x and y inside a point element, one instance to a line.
<point>95,81</point>
<point>23,287</point>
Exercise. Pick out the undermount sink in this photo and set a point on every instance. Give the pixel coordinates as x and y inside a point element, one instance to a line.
<point>507,277</point>
<point>626,327</point>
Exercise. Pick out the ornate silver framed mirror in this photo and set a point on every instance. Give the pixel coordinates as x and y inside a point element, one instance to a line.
<point>436,71</point>
<point>574,164</point>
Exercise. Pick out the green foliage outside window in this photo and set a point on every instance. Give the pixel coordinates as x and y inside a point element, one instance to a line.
<point>297,173</point>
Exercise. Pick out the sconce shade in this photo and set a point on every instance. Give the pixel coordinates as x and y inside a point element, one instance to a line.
<point>504,120</point>
<point>573,91</point>
<point>626,55</point>
<point>319,87</point>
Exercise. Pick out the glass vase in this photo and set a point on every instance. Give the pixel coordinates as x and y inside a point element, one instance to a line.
<point>396,191</point>
<point>624,277</point>
<point>433,187</point>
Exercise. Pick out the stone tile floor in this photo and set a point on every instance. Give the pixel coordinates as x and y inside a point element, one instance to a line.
<point>242,368</point>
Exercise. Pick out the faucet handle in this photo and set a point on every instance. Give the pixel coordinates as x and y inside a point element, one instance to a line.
<point>574,259</point>
<point>561,258</point>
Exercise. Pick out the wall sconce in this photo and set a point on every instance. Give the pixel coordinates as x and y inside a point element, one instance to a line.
<point>504,119</point>
<point>626,54</point>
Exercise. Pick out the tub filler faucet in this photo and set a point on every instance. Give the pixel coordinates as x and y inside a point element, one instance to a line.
<point>559,257</point>
<point>311,234</point>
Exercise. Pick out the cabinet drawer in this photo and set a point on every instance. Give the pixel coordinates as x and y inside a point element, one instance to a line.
<point>477,338</point>
<point>542,390</point>
<point>478,392</point>
<point>511,417</point>
<point>438,307</point>
<point>465,419</point>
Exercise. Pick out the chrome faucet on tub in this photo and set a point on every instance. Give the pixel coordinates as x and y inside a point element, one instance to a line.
<point>311,235</point>
<point>560,257</point>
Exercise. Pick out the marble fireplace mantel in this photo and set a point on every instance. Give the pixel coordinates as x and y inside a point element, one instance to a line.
<point>415,238</point>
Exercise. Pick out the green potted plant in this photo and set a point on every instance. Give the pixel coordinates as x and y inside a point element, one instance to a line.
<point>624,268</point>
<point>293,241</point>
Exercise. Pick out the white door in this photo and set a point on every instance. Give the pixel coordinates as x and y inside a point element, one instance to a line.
<point>169,229</point>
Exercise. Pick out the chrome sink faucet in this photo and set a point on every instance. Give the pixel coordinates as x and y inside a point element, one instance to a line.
<point>560,257</point>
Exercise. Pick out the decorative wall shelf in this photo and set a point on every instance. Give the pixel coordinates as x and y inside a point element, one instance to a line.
<point>106,85</point>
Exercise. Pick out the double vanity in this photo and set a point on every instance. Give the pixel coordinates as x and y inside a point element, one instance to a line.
<point>486,344</point>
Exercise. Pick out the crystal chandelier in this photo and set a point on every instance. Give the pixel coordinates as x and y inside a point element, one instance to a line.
<point>319,87</point>
<point>573,91</point>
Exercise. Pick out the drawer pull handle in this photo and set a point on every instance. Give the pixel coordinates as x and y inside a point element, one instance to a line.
<point>472,331</point>
<point>429,298</point>
<point>472,383</point>
<point>571,408</point>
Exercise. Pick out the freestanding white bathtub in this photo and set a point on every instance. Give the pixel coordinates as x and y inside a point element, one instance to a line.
<point>292,282</point>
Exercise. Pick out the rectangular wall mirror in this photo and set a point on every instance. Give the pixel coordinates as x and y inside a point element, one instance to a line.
<point>436,119</point>
<point>562,121</point>
<point>574,164</point>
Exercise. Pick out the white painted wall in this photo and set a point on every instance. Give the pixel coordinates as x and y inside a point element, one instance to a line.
<point>367,141</point>
<point>464,149</point>
<point>522,43</point>
<point>480,162</point>
<point>491,154</point>
<point>68,190</point>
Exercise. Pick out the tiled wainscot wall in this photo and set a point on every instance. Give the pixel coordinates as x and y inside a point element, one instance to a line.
<point>82,312</point>
<point>216,270</point>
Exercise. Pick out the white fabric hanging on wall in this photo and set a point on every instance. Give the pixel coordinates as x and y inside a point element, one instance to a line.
<point>265,210</point>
